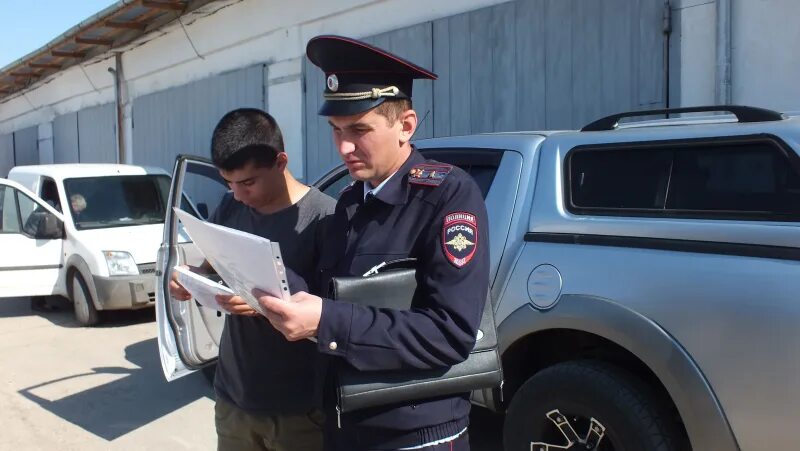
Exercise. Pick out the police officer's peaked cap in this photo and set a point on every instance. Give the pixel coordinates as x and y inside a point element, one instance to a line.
<point>358,76</point>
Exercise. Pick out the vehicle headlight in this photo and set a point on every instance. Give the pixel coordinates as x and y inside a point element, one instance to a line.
<point>120,263</point>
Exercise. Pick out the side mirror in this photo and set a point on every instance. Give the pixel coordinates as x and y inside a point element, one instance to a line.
<point>49,227</point>
<point>202,208</point>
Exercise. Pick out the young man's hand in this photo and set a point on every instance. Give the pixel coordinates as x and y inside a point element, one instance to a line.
<point>297,319</point>
<point>235,305</point>
<point>176,290</point>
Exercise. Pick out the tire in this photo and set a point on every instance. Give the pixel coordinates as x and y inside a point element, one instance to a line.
<point>587,393</point>
<point>85,311</point>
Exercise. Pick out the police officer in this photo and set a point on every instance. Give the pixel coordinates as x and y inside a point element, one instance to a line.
<point>400,205</point>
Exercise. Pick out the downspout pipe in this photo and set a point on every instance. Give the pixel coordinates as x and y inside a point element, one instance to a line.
<point>116,71</point>
<point>724,50</point>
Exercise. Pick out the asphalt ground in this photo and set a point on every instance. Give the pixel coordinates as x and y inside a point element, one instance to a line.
<point>65,387</point>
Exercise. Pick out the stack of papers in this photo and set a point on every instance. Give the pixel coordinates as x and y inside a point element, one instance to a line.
<point>243,260</point>
<point>203,289</point>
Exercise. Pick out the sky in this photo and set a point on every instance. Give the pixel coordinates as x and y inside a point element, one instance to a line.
<point>27,25</point>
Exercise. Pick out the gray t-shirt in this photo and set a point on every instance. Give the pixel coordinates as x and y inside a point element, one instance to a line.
<point>258,370</point>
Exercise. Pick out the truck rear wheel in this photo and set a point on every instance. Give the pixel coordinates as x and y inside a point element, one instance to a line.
<point>587,405</point>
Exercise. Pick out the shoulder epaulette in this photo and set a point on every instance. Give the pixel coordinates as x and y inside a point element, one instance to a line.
<point>429,174</point>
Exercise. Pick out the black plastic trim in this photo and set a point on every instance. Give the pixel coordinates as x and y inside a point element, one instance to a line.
<point>465,156</point>
<point>742,113</point>
<point>668,244</point>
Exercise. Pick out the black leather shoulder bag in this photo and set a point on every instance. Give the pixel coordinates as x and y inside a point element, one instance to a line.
<point>393,286</point>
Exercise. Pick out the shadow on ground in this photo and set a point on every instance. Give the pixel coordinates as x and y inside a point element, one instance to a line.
<point>140,396</point>
<point>19,307</point>
<point>60,313</point>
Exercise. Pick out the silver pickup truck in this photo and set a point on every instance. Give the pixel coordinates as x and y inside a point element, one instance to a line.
<point>645,278</point>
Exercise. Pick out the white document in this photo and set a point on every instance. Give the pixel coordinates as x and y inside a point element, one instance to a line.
<point>243,260</point>
<point>202,288</point>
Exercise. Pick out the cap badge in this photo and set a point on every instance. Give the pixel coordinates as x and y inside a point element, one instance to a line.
<point>333,83</point>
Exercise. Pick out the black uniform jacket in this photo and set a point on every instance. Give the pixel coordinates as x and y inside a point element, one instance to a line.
<point>435,213</point>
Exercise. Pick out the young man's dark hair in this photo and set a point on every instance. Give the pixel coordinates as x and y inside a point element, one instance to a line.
<point>245,135</point>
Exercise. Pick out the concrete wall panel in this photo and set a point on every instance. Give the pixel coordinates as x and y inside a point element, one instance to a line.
<point>65,138</point>
<point>26,146</point>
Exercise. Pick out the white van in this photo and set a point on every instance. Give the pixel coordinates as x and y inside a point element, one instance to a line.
<point>89,232</point>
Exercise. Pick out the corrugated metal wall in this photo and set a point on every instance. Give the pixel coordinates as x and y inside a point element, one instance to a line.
<point>65,138</point>
<point>414,44</point>
<point>6,154</point>
<point>318,151</point>
<point>180,120</point>
<point>26,146</point>
<point>521,65</point>
<point>97,136</point>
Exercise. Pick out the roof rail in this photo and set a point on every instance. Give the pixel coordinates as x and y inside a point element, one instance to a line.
<point>742,113</point>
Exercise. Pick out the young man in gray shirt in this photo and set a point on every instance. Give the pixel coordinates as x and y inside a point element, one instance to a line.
<point>268,395</point>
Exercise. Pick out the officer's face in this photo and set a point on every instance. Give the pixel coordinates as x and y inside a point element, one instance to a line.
<point>256,186</point>
<point>371,147</point>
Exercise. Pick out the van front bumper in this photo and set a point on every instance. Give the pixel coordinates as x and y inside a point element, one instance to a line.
<point>125,292</point>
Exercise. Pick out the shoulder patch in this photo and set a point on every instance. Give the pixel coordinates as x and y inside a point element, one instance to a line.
<point>429,174</point>
<point>460,238</point>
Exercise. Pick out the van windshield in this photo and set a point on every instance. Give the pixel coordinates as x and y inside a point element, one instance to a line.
<point>117,201</point>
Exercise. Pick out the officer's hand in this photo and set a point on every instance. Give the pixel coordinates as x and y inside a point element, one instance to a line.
<point>176,290</point>
<point>297,319</point>
<point>234,305</point>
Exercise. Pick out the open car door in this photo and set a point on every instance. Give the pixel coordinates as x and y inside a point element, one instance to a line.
<point>188,334</point>
<point>31,239</point>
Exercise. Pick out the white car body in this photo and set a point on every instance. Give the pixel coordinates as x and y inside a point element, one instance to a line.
<point>41,267</point>
<point>28,266</point>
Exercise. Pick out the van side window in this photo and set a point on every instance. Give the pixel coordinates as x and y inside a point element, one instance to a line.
<point>49,193</point>
<point>8,211</point>
<point>754,179</point>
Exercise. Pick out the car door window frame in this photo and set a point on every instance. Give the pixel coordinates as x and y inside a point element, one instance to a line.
<point>50,181</point>
<point>171,240</point>
<point>37,203</point>
<point>18,216</point>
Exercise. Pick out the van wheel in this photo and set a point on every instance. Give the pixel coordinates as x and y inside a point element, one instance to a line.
<point>586,405</point>
<point>85,311</point>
